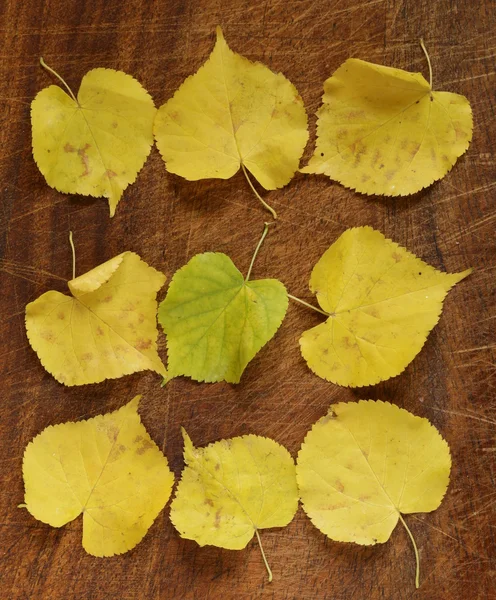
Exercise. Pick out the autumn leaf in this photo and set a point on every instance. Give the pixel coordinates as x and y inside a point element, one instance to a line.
<point>385,131</point>
<point>105,330</point>
<point>365,464</point>
<point>94,144</point>
<point>108,469</point>
<point>233,113</point>
<point>231,489</point>
<point>216,320</point>
<point>381,302</point>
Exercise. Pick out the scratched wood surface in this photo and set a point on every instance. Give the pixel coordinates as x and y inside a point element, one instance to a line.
<point>167,220</point>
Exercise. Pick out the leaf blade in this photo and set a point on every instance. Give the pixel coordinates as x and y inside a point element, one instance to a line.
<point>97,145</point>
<point>85,467</point>
<point>373,458</point>
<point>383,302</point>
<point>105,330</point>
<point>383,131</point>
<point>216,324</point>
<point>231,488</point>
<point>233,112</point>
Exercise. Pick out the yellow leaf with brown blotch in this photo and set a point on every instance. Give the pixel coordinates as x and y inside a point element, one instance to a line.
<point>106,329</point>
<point>233,488</point>
<point>384,131</point>
<point>96,143</point>
<point>108,469</point>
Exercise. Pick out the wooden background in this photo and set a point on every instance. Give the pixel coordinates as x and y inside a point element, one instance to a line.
<point>167,220</point>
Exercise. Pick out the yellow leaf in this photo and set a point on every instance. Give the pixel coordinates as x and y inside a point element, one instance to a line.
<point>382,302</point>
<point>105,330</point>
<point>231,489</point>
<point>108,469</point>
<point>233,113</point>
<point>97,143</point>
<point>364,464</point>
<point>384,131</point>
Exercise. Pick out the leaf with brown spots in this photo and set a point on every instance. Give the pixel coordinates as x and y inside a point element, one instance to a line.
<point>105,330</point>
<point>364,464</point>
<point>231,489</point>
<point>94,144</point>
<point>385,131</point>
<point>108,469</point>
<point>381,303</point>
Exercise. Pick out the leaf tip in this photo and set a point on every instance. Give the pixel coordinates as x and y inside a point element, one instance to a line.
<point>219,33</point>
<point>186,438</point>
<point>161,370</point>
<point>188,446</point>
<point>330,416</point>
<point>133,404</point>
<point>112,206</point>
<point>466,273</point>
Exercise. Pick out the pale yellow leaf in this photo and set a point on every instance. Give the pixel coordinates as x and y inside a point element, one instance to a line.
<point>108,469</point>
<point>233,112</point>
<point>364,464</point>
<point>382,302</point>
<point>231,489</point>
<point>105,330</point>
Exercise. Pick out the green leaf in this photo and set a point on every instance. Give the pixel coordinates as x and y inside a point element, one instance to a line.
<point>216,321</point>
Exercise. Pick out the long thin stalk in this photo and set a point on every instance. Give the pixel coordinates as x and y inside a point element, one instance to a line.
<point>263,556</point>
<point>322,312</point>
<point>269,208</point>
<point>266,229</point>
<point>43,64</point>
<point>428,61</point>
<point>417,558</point>
<point>73,255</point>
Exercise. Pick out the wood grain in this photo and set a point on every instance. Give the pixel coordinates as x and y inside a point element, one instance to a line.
<point>167,220</point>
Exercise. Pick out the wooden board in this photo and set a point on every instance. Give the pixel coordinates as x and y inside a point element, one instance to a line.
<point>167,220</point>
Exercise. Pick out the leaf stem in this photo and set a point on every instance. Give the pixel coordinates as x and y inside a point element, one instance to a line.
<point>322,312</point>
<point>43,64</point>
<point>263,556</point>
<point>266,229</point>
<point>73,255</point>
<point>428,61</point>
<point>417,558</point>
<point>269,208</point>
